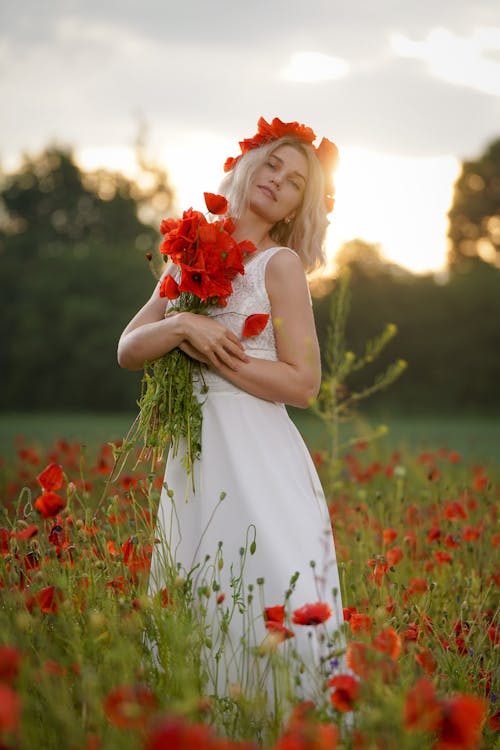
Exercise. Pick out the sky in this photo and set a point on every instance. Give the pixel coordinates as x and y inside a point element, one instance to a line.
<point>406,89</point>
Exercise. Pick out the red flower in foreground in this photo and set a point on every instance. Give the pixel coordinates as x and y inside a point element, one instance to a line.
<point>130,706</point>
<point>175,733</point>
<point>254,325</point>
<point>49,504</point>
<point>388,642</point>
<point>280,631</point>
<point>10,661</point>
<point>216,204</point>
<point>47,599</point>
<point>10,709</point>
<point>275,614</point>
<point>461,721</point>
<point>312,614</point>
<point>457,721</point>
<point>305,732</point>
<point>346,691</point>
<point>422,710</point>
<point>51,478</point>
<point>169,287</point>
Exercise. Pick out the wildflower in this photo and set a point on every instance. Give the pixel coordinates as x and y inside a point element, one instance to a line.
<point>312,614</point>
<point>425,658</point>
<point>379,567</point>
<point>442,557</point>
<point>281,632</point>
<point>305,732</point>
<point>346,691</point>
<point>389,535</point>
<point>388,642</point>
<point>10,709</point>
<point>394,555</point>
<point>422,711</point>
<point>176,734</point>
<point>360,623</point>
<point>49,504</point>
<point>10,661</point>
<point>461,720</point>
<point>275,614</point>
<point>130,706</point>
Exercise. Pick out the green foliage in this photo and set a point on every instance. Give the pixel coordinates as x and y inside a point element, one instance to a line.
<point>73,273</point>
<point>336,399</point>
<point>474,228</point>
<point>103,633</point>
<point>448,333</point>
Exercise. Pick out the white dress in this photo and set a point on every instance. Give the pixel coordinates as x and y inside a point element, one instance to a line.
<point>271,523</point>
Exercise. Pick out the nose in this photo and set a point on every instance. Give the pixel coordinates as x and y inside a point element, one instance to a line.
<point>276,180</point>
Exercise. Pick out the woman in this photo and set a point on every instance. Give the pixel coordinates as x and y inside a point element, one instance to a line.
<point>256,528</point>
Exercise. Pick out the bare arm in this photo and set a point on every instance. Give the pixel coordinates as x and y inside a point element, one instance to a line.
<point>295,378</point>
<point>150,335</point>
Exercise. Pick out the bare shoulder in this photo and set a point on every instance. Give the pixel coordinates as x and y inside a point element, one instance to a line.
<point>285,271</point>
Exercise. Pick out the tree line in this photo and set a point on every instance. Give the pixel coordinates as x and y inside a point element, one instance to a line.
<point>73,271</point>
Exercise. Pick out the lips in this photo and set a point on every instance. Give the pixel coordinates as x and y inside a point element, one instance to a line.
<point>268,191</point>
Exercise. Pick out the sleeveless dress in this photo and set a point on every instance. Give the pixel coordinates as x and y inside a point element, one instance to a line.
<point>256,531</point>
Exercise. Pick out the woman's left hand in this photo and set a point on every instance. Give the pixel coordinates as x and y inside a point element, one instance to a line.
<point>193,352</point>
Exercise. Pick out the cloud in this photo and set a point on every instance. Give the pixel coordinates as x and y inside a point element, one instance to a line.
<point>462,61</point>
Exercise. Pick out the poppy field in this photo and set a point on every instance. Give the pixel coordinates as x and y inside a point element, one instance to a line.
<point>417,541</point>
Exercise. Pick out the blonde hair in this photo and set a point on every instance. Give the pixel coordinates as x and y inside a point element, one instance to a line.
<point>306,232</point>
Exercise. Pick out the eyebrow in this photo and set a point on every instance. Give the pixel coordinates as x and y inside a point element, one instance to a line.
<point>296,173</point>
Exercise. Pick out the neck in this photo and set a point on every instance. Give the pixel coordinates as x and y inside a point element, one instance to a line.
<point>251,227</point>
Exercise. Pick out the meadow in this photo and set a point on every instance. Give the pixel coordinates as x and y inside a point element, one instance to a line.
<point>415,520</point>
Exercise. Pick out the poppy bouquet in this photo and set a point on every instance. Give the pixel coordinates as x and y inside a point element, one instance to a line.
<point>205,259</point>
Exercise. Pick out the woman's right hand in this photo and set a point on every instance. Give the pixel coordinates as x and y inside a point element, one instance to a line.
<point>210,342</point>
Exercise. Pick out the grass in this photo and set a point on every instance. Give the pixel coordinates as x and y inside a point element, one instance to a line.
<point>415,538</point>
<point>476,438</point>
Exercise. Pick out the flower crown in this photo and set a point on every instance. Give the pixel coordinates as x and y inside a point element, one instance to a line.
<point>326,152</point>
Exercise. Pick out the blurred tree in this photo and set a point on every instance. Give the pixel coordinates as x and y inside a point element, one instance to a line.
<point>474,218</point>
<point>72,273</point>
<point>448,333</point>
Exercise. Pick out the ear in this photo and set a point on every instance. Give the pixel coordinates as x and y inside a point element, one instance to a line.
<point>290,218</point>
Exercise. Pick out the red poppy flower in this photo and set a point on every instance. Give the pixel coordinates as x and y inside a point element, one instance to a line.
<point>394,555</point>
<point>176,734</point>
<point>422,710</point>
<point>10,709</point>
<point>49,504</point>
<point>389,535</point>
<point>279,630</point>
<point>462,717</point>
<point>10,662</point>
<point>216,204</point>
<point>130,706</point>
<point>47,599</point>
<point>425,658</point>
<point>494,721</point>
<point>26,533</point>
<point>51,478</point>
<point>360,623</point>
<point>169,287</point>
<point>388,642</point>
<point>418,586</point>
<point>312,614</point>
<point>346,691</point>
<point>254,324</point>
<point>275,614</point>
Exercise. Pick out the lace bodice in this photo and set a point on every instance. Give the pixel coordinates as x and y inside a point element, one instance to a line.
<point>249,297</point>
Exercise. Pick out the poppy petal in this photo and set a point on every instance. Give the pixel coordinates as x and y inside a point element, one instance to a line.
<point>216,204</point>
<point>169,287</point>
<point>254,324</point>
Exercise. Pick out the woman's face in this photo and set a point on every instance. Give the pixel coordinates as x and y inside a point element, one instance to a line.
<point>278,185</point>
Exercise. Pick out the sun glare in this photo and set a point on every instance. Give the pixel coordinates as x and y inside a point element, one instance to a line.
<point>309,67</point>
<point>397,202</point>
